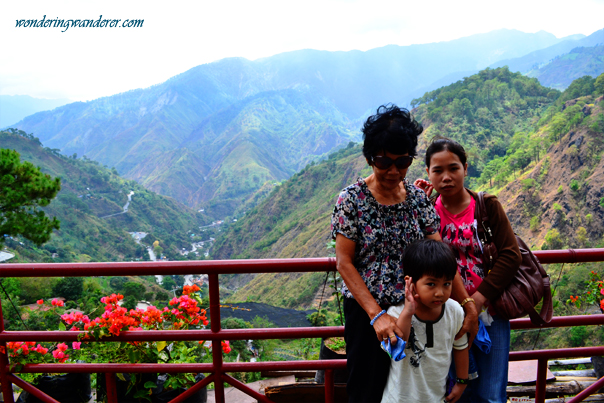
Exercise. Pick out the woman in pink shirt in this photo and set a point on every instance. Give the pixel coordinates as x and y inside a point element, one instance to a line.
<point>447,167</point>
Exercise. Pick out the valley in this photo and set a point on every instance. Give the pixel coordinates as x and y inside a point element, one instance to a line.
<point>244,160</point>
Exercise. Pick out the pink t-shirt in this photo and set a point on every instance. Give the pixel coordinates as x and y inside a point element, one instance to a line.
<point>459,231</point>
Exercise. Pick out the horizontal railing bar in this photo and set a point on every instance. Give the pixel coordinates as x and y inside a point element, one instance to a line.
<point>557,353</point>
<point>178,335</point>
<point>272,365</point>
<point>173,267</point>
<point>570,255</point>
<point>269,365</point>
<point>560,321</point>
<point>182,368</point>
<point>233,266</point>
<point>257,334</point>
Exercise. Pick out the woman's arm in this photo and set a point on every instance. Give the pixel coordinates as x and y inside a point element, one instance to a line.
<point>385,326</point>
<point>508,253</point>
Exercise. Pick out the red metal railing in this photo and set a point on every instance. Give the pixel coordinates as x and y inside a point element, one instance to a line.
<point>218,368</point>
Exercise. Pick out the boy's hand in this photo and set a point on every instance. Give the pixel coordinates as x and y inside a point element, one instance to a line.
<point>410,303</point>
<point>456,393</point>
<point>424,185</point>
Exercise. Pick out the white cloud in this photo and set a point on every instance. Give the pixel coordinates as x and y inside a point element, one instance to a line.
<point>85,63</point>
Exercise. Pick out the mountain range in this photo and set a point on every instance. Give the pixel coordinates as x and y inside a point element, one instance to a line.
<point>213,136</point>
<point>539,150</point>
<point>95,225</point>
<point>13,108</point>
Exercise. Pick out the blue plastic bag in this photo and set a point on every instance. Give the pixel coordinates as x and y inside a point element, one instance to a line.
<point>396,352</point>
<point>482,339</point>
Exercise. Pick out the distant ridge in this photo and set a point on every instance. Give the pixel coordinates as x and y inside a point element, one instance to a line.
<point>13,108</point>
<point>230,127</point>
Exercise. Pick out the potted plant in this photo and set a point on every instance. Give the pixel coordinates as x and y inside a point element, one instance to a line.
<point>181,313</point>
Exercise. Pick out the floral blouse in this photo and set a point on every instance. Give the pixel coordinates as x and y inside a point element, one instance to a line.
<point>381,234</point>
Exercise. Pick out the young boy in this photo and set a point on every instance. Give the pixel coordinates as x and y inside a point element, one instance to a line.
<point>429,321</point>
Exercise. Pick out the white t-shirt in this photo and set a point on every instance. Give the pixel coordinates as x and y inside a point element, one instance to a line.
<point>422,375</point>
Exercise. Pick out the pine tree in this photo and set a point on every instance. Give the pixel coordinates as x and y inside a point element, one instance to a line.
<point>23,189</point>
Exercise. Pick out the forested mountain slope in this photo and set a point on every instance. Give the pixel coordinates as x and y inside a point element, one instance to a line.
<point>564,69</point>
<point>89,192</point>
<point>523,140</point>
<point>201,120</point>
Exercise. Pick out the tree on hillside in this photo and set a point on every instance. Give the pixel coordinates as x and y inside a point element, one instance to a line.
<point>70,288</point>
<point>599,85</point>
<point>24,189</point>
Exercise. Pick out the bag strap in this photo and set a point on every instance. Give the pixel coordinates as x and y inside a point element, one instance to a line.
<point>482,216</point>
<point>546,313</point>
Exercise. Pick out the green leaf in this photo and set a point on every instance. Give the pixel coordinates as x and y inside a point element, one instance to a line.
<point>150,384</point>
<point>142,394</point>
<point>62,326</point>
<point>161,345</point>
<point>121,376</point>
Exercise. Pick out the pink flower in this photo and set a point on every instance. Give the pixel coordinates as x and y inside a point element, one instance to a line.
<point>76,345</point>
<point>62,347</point>
<point>602,291</point>
<point>57,302</point>
<point>40,301</point>
<point>226,346</point>
<point>40,349</point>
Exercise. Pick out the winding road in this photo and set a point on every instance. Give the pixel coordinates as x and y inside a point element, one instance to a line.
<point>125,207</point>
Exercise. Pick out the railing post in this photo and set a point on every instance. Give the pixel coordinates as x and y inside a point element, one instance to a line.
<point>541,380</point>
<point>216,345</point>
<point>7,387</point>
<point>111,385</point>
<point>329,386</point>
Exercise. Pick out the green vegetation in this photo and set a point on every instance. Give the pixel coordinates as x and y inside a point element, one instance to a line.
<point>564,69</point>
<point>513,130</point>
<point>89,194</point>
<point>491,114</point>
<point>24,189</point>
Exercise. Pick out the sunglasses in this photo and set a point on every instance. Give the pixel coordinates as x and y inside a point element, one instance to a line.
<point>383,162</point>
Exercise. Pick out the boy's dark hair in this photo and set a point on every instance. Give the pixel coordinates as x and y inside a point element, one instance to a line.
<point>429,258</point>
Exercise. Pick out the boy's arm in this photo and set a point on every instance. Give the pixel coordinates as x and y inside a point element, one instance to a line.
<point>460,357</point>
<point>404,320</point>
<point>404,323</point>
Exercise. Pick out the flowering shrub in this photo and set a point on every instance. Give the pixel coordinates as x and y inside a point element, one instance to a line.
<point>593,294</point>
<point>182,313</point>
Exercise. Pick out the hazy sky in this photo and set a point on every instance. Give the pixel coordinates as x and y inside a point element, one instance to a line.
<point>87,63</point>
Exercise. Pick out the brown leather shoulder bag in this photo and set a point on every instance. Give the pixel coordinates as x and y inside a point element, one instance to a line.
<point>531,283</point>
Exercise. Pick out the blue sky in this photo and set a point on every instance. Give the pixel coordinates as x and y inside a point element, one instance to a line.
<point>87,63</point>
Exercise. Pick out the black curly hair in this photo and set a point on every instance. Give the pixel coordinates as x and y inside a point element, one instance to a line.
<point>391,129</point>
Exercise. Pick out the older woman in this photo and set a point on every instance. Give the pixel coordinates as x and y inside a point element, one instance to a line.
<point>373,221</point>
